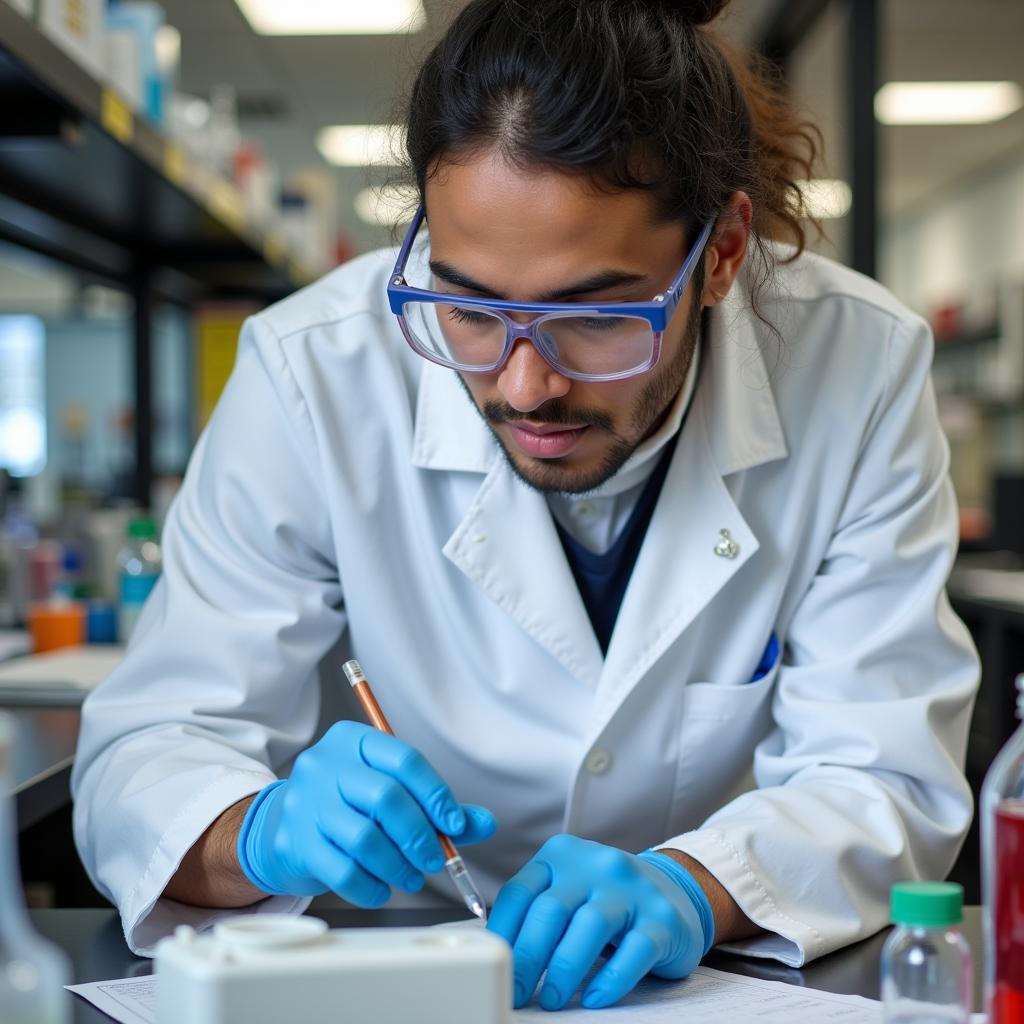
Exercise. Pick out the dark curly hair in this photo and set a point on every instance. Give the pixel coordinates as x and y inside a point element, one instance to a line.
<point>634,94</point>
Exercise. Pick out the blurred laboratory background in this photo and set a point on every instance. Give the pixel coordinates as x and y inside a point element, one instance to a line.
<point>168,168</point>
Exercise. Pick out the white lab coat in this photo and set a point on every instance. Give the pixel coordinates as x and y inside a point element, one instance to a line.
<point>347,488</point>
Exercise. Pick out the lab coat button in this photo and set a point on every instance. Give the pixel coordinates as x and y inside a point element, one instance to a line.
<point>598,761</point>
<point>479,538</point>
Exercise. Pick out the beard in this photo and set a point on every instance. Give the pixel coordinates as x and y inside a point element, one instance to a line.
<point>559,476</point>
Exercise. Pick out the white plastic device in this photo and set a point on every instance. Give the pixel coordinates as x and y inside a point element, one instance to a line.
<point>273,968</point>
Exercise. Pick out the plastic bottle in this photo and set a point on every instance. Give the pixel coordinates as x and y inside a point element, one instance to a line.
<point>68,585</point>
<point>139,567</point>
<point>6,557</point>
<point>1002,870</point>
<point>21,538</point>
<point>927,976</point>
<point>33,971</point>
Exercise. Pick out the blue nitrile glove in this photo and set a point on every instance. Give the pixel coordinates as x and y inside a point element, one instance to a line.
<point>357,815</point>
<point>574,897</point>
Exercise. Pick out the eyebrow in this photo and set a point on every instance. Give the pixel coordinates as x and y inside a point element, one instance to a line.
<point>595,283</point>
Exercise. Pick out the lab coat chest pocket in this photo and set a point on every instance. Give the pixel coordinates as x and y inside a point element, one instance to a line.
<point>720,725</point>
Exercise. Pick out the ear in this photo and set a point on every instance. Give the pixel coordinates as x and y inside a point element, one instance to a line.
<point>724,254</point>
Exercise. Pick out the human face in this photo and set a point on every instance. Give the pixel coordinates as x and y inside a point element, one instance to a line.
<point>523,234</point>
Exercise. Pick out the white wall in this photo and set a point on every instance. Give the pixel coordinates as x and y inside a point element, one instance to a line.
<point>962,241</point>
<point>958,247</point>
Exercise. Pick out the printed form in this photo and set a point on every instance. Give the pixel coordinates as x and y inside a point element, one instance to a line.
<point>706,997</point>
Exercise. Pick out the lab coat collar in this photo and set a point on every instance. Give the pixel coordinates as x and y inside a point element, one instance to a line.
<point>449,432</point>
<point>735,390</point>
<point>508,546</point>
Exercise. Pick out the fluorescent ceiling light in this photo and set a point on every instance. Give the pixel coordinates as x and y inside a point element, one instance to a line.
<point>385,206</point>
<point>333,17</point>
<point>946,102</point>
<point>360,145</point>
<point>825,198</point>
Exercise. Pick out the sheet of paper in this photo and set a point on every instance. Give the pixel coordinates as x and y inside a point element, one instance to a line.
<point>130,1000</point>
<point>706,997</point>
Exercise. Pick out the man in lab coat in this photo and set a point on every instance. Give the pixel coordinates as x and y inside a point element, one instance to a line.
<point>654,602</point>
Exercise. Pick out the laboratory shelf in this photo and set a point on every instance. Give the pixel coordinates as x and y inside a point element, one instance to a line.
<point>968,338</point>
<point>86,181</point>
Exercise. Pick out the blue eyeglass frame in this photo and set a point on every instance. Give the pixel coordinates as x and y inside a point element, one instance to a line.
<point>658,312</point>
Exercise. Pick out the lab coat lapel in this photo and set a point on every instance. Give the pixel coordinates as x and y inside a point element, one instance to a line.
<point>506,543</point>
<point>508,546</point>
<point>683,563</point>
<point>448,434</point>
<point>685,559</point>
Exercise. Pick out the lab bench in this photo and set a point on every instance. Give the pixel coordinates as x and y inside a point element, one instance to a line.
<point>94,941</point>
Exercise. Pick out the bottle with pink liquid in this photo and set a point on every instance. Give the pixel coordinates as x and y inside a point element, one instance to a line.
<point>1002,838</point>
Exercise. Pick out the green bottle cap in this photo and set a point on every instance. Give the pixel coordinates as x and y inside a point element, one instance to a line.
<point>142,527</point>
<point>927,904</point>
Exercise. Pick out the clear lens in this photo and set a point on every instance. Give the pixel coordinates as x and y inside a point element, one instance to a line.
<point>598,345</point>
<point>461,335</point>
<point>464,336</point>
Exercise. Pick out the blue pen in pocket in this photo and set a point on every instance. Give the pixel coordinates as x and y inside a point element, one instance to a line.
<point>768,659</point>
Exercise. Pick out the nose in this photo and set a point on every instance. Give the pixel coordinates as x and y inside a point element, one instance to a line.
<point>526,381</point>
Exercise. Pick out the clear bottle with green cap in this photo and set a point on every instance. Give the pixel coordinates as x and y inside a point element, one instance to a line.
<point>138,565</point>
<point>927,974</point>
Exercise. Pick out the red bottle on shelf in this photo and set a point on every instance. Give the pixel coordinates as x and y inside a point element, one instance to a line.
<point>1002,835</point>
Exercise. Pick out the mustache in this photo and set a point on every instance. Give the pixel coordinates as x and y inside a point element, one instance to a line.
<point>554,412</point>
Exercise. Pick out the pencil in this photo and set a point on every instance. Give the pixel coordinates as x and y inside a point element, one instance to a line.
<point>454,863</point>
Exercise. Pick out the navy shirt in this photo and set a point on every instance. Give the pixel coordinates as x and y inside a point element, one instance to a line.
<point>602,579</point>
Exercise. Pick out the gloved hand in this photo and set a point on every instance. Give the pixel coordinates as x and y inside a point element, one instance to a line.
<point>357,815</point>
<point>575,896</point>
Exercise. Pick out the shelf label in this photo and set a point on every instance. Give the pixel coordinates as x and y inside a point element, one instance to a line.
<point>274,249</point>
<point>227,204</point>
<point>116,117</point>
<point>175,163</point>
<point>298,272</point>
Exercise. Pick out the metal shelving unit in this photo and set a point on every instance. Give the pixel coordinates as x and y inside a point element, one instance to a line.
<point>86,182</point>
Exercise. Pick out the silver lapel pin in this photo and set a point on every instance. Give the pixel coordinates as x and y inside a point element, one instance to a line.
<point>726,546</point>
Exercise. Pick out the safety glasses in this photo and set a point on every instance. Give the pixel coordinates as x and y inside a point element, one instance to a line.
<point>601,341</point>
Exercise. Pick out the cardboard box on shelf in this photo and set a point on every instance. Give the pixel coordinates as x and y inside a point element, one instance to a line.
<point>77,27</point>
